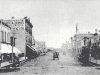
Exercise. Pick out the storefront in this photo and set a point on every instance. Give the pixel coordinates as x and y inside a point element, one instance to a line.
<point>5,48</point>
<point>6,52</point>
<point>30,52</point>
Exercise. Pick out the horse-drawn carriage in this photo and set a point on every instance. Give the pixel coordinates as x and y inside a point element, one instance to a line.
<point>55,55</point>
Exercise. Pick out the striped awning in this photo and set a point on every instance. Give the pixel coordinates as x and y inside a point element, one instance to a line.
<point>6,48</point>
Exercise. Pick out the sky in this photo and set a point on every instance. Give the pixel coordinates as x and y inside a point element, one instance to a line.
<point>54,21</point>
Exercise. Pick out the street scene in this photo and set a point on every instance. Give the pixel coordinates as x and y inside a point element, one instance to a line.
<point>49,37</point>
<point>45,65</point>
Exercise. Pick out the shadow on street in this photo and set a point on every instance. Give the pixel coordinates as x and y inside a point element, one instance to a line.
<point>3,70</point>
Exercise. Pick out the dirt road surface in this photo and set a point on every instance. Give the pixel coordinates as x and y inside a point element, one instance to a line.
<point>45,65</point>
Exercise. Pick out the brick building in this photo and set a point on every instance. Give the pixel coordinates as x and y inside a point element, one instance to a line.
<point>22,29</point>
<point>6,39</point>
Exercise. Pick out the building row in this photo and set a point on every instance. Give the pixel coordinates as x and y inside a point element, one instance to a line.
<point>16,34</point>
<point>84,40</point>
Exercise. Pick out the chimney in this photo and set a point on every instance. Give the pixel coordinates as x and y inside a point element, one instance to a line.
<point>12,17</point>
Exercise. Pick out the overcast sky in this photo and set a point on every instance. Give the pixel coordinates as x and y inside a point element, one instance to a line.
<point>54,21</point>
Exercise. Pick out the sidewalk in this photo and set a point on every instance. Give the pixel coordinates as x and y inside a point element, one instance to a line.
<point>3,64</point>
<point>21,60</point>
<point>96,61</point>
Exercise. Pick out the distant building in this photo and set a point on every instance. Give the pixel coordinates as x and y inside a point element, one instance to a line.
<point>80,40</point>
<point>22,29</point>
<point>39,46</point>
<point>66,46</point>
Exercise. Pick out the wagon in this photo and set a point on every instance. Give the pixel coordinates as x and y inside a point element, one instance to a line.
<point>6,61</point>
<point>55,55</point>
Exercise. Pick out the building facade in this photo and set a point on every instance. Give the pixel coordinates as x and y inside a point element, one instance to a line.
<point>39,46</point>
<point>5,38</point>
<point>22,30</point>
<point>5,33</point>
<point>82,40</point>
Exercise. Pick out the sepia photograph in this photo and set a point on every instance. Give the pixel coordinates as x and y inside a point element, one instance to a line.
<point>49,37</point>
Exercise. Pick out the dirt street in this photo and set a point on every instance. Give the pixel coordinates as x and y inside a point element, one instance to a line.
<point>45,65</point>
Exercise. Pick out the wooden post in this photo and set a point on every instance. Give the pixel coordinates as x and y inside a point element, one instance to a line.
<point>0,41</point>
<point>12,38</point>
<point>76,37</point>
<point>12,46</point>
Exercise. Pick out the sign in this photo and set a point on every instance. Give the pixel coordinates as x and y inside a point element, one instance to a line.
<point>14,21</point>
<point>16,24</point>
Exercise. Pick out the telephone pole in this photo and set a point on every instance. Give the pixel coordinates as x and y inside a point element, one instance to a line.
<point>12,38</point>
<point>76,36</point>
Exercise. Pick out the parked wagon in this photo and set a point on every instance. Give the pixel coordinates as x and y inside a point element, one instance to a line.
<point>6,61</point>
<point>55,55</point>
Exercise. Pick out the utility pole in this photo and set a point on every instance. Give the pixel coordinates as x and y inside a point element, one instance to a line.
<point>0,35</point>
<point>0,41</point>
<point>12,38</point>
<point>12,46</point>
<point>76,36</point>
<point>25,45</point>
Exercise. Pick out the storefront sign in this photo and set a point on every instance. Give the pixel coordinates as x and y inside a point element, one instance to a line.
<point>16,24</point>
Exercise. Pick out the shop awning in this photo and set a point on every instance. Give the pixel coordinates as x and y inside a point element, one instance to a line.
<point>15,50</point>
<point>5,49</point>
<point>31,48</point>
<point>34,48</point>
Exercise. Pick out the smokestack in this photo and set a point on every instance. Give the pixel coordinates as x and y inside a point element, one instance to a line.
<point>95,30</point>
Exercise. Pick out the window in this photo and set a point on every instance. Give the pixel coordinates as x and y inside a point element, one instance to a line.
<point>84,42</point>
<point>2,36</point>
<point>5,38</point>
<point>8,37</point>
<point>12,41</point>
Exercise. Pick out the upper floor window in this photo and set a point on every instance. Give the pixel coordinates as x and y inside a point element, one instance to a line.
<point>5,37</point>
<point>8,37</point>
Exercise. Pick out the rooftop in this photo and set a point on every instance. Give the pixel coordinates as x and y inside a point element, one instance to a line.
<point>3,23</point>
